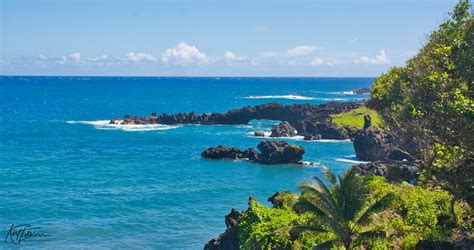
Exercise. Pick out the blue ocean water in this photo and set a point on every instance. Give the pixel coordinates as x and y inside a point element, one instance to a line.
<point>91,186</point>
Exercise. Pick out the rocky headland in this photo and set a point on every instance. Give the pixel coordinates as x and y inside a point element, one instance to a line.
<point>301,119</point>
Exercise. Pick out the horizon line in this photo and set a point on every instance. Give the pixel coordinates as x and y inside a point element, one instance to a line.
<point>178,76</point>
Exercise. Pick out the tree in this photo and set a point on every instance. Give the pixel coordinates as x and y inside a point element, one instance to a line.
<point>429,103</point>
<point>341,208</point>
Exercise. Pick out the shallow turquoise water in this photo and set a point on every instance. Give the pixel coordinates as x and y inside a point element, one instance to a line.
<point>93,186</point>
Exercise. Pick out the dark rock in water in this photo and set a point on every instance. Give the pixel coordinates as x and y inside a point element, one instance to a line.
<point>251,154</point>
<point>229,239</point>
<point>361,91</point>
<point>271,152</point>
<point>221,152</point>
<point>375,145</point>
<point>312,137</point>
<point>283,198</point>
<point>279,152</point>
<point>259,134</point>
<point>393,171</point>
<point>284,129</point>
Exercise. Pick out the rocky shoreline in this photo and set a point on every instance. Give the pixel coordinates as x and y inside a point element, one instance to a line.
<point>386,156</point>
<point>313,121</point>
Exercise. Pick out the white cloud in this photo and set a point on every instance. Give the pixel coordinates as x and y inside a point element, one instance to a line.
<point>74,57</point>
<point>302,50</point>
<point>138,57</point>
<point>230,56</point>
<point>380,58</point>
<point>184,54</point>
<point>316,62</point>
<point>99,58</point>
<point>232,59</point>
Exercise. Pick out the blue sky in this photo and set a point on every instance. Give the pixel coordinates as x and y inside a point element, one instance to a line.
<point>213,38</point>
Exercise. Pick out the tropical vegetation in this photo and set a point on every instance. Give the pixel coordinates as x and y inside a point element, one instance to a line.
<point>429,105</point>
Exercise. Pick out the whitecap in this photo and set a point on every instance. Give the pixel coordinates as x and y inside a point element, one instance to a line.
<point>351,92</point>
<point>332,141</point>
<point>350,161</point>
<point>290,97</point>
<point>105,125</point>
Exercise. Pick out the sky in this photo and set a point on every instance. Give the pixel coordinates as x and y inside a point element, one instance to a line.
<point>213,38</point>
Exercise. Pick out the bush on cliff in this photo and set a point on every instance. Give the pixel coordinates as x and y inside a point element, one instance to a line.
<point>415,214</point>
<point>430,103</point>
<point>354,120</point>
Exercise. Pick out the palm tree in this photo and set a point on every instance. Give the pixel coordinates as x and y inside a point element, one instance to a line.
<point>341,208</point>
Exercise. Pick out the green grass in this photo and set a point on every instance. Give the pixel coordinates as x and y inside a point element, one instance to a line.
<point>354,119</point>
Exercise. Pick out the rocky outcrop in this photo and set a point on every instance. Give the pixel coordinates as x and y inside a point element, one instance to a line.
<point>361,91</point>
<point>284,129</point>
<point>326,129</point>
<point>367,121</point>
<point>229,239</point>
<point>259,133</point>
<point>279,152</point>
<point>221,152</point>
<point>392,171</point>
<point>297,115</point>
<point>375,145</point>
<point>312,137</point>
<point>271,152</point>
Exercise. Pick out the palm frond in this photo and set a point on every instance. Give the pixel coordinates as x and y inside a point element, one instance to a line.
<point>369,236</point>
<point>330,175</point>
<point>327,196</point>
<point>377,206</point>
<point>325,245</point>
<point>309,206</point>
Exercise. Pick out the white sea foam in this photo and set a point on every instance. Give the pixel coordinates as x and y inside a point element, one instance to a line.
<point>342,93</point>
<point>350,161</point>
<point>290,97</point>
<point>333,141</point>
<point>104,125</point>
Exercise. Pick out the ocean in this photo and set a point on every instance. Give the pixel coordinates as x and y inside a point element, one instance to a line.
<point>91,185</point>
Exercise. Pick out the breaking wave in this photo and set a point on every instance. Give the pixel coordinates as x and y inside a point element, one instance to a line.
<point>290,97</point>
<point>350,161</point>
<point>104,125</point>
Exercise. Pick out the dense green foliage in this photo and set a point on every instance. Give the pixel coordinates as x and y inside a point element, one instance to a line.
<point>414,213</point>
<point>429,103</point>
<point>432,96</point>
<point>262,227</point>
<point>354,120</point>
